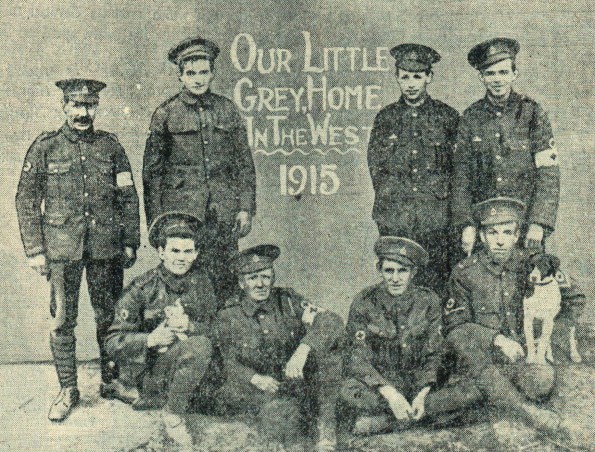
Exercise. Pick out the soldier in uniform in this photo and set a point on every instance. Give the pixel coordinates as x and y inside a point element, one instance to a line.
<point>394,376</point>
<point>163,324</point>
<point>410,160</point>
<point>90,220</point>
<point>483,318</point>
<point>197,159</point>
<point>278,350</point>
<point>505,147</point>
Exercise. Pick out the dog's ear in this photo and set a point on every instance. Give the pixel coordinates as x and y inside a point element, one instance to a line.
<point>554,264</point>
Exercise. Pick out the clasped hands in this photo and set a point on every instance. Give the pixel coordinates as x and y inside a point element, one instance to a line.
<point>166,334</point>
<point>294,369</point>
<point>399,406</point>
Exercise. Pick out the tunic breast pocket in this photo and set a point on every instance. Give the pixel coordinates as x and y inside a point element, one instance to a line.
<point>520,157</point>
<point>59,179</point>
<point>103,175</point>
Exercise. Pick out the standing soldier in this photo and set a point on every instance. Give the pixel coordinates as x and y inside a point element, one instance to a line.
<point>197,159</point>
<point>505,147</point>
<point>90,221</point>
<point>410,158</point>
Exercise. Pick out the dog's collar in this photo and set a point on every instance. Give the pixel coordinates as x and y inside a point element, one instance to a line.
<point>542,283</point>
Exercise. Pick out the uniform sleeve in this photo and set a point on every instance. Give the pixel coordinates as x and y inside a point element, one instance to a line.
<point>224,335</point>
<point>461,177</point>
<point>127,199</point>
<point>327,329</point>
<point>377,155</point>
<point>359,360</point>
<point>432,357</point>
<point>458,314</point>
<point>30,194</point>
<point>156,150</point>
<point>201,322</point>
<point>125,342</point>
<point>246,188</point>
<point>544,208</point>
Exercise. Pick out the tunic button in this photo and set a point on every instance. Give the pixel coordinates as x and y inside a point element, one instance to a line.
<point>205,142</point>
<point>86,195</point>
<point>50,220</point>
<point>86,214</point>
<point>497,135</point>
<point>503,273</point>
<point>93,222</point>
<point>499,179</point>
<point>507,312</point>
<point>414,114</point>
<point>505,294</point>
<point>415,170</point>
<point>498,113</point>
<point>56,170</point>
<point>483,308</point>
<point>402,327</point>
<point>245,345</point>
<point>261,316</point>
<point>498,157</point>
<point>415,134</point>
<point>414,188</point>
<point>83,158</point>
<point>265,331</point>
<point>207,160</point>
<point>414,151</point>
<point>404,345</point>
<point>84,176</point>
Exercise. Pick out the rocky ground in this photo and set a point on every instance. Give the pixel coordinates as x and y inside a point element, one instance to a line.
<point>104,425</point>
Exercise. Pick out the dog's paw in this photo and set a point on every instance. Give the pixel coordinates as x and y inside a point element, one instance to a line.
<point>575,357</point>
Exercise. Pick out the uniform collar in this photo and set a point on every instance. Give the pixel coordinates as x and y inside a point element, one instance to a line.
<point>178,284</point>
<point>251,307</point>
<point>511,102</point>
<point>513,264</point>
<point>428,101</point>
<point>188,98</point>
<point>75,135</point>
<point>390,303</point>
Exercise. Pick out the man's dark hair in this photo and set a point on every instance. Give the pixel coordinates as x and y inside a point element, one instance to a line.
<point>513,67</point>
<point>382,259</point>
<point>183,62</point>
<point>162,240</point>
<point>428,71</point>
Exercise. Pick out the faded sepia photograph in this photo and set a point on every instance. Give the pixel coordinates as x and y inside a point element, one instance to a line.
<point>313,225</point>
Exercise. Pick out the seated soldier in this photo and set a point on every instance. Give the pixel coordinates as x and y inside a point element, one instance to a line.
<point>163,323</point>
<point>483,319</point>
<point>394,366</point>
<point>279,351</point>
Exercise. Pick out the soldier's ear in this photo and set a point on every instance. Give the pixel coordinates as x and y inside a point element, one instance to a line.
<point>430,77</point>
<point>161,252</point>
<point>482,236</point>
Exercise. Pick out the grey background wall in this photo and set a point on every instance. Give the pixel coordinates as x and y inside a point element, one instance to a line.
<point>326,239</point>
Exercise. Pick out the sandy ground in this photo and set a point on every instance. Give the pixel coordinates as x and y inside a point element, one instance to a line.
<point>106,425</point>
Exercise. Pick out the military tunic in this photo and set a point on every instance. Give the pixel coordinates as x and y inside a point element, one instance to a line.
<point>84,183</point>
<point>410,162</point>
<point>260,338</point>
<point>197,160</point>
<point>142,308</point>
<point>506,151</point>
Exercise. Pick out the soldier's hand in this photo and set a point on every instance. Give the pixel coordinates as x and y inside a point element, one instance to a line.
<point>468,239</point>
<point>265,383</point>
<point>243,224</point>
<point>39,264</point>
<point>534,236</point>
<point>295,366</point>
<point>310,312</point>
<point>397,402</point>
<point>179,324</point>
<point>161,336</point>
<point>128,257</point>
<point>512,349</point>
<point>418,404</point>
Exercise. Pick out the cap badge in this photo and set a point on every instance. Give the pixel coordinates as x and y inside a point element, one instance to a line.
<point>493,211</point>
<point>360,335</point>
<point>27,166</point>
<point>403,251</point>
<point>85,90</point>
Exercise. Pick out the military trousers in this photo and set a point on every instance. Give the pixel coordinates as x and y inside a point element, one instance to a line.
<point>104,281</point>
<point>174,375</point>
<point>313,398</point>
<point>442,407</point>
<point>220,243</point>
<point>504,384</point>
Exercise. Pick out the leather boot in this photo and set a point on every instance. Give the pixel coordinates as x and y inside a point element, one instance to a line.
<point>116,390</point>
<point>67,399</point>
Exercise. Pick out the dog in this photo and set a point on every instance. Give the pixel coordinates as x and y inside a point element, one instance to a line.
<point>542,301</point>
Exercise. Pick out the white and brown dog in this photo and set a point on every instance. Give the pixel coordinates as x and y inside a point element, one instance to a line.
<point>542,300</point>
